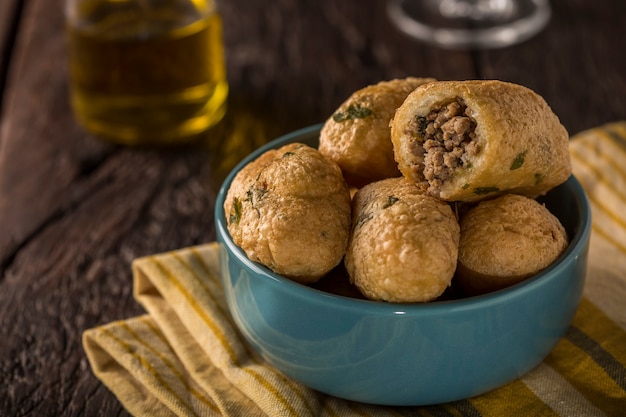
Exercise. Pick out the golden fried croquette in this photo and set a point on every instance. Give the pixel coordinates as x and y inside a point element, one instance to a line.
<point>467,140</point>
<point>404,244</point>
<point>290,210</point>
<point>506,240</point>
<point>357,135</point>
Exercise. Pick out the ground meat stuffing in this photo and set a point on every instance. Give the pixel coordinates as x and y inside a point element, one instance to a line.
<point>448,141</point>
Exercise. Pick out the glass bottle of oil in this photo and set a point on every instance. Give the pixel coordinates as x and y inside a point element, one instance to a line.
<point>146,71</point>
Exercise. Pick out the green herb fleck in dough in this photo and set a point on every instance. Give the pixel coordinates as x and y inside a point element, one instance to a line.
<point>354,111</point>
<point>539,177</point>
<point>286,154</point>
<point>236,216</point>
<point>361,220</point>
<point>518,161</point>
<point>391,200</point>
<point>465,186</point>
<point>485,190</point>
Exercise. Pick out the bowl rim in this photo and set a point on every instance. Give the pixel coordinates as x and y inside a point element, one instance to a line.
<point>577,245</point>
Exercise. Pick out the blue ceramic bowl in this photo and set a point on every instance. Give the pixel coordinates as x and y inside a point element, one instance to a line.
<point>405,354</point>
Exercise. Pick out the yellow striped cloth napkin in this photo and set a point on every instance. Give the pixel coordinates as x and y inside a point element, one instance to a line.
<point>186,358</point>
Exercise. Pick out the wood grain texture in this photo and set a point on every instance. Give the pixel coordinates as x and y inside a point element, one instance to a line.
<point>575,64</point>
<point>75,211</point>
<point>9,19</point>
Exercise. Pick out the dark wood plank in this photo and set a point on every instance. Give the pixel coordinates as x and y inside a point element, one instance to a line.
<point>43,151</point>
<point>575,64</point>
<point>301,59</point>
<point>9,24</point>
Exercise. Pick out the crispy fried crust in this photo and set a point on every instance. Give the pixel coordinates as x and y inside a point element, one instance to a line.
<point>290,210</point>
<point>506,240</point>
<point>357,135</point>
<point>521,145</point>
<point>404,244</point>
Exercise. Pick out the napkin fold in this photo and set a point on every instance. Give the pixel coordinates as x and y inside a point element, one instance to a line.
<point>185,357</point>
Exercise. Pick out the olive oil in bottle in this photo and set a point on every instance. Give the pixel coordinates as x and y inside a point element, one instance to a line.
<point>146,71</point>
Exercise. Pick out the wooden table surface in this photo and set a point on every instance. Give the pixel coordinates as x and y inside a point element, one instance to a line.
<point>75,211</point>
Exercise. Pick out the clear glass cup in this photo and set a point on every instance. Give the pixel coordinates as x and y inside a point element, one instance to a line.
<point>470,24</point>
<point>146,71</point>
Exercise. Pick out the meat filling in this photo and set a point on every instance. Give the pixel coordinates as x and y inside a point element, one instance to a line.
<point>448,142</point>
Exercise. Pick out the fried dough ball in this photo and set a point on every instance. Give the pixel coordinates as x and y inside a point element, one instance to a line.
<point>506,240</point>
<point>476,139</point>
<point>357,135</point>
<point>404,244</point>
<point>290,210</point>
